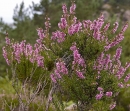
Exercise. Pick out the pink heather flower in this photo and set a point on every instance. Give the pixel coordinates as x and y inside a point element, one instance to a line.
<point>121,85</point>
<point>40,62</point>
<point>81,62</point>
<point>86,23</point>
<point>107,59</point>
<point>59,71</point>
<point>116,41</point>
<point>100,89</point>
<point>80,74</point>
<point>72,8</point>
<point>115,28</point>
<point>102,38</point>
<point>120,72</point>
<point>59,36</point>
<point>109,94</point>
<point>5,55</point>
<point>78,59</point>
<point>7,41</point>
<point>99,64</point>
<point>57,74</point>
<point>73,47</point>
<point>74,28</point>
<point>100,21</point>
<point>71,30</point>
<point>112,106</point>
<point>124,28</point>
<point>47,23</point>
<point>40,33</point>
<point>97,35</point>
<point>106,27</point>
<point>74,20</point>
<point>127,65</point>
<point>127,85</point>
<point>61,68</point>
<point>127,78</point>
<point>99,96</point>
<point>63,23</point>
<point>39,41</point>
<point>17,52</point>
<point>97,24</point>
<point>53,78</point>
<point>118,53</point>
<point>64,8</point>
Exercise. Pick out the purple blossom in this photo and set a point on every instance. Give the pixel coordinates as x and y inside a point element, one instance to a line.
<point>124,28</point>
<point>127,85</point>
<point>121,85</point>
<point>109,94</point>
<point>23,49</point>
<point>47,23</point>
<point>97,35</point>
<point>5,55</point>
<point>73,47</point>
<point>120,72</point>
<point>99,96</point>
<point>57,74</point>
<point>103,63</point>
<point>100,89</point>
<point>86,23</point>
<point>7,40</point>
<point>74,20</point>
<point>106,27</point>
<point>63,23</point>
<point>127,78</point>
<point>41,33</point>
<point>64,8</point>
<point>80,74</point>
<point>59,36</point>
<point>118,53</point>
<point>53,78</point>
<point>116,41</point>
<point>112,106</point>
<point>40,60</point>
<point>115,28</point>
<point>127,65</point>
<point>72,8</point>
<point>59,71</point>
<point>74,28</point>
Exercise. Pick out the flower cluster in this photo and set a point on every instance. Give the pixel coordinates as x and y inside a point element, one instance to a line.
<point>43,33</point>
<point>5,55</point>
<point>63,24</point>
<point>59,71</point>
<point>100,95</point>
<point>114,42</point>
<point>19,50</point>
<point>112,106</point>
<point>115,28</point>
<point>103,63</point>
<point>74,28</point>
<point>78,63</point>
<point>59,36</point>
<point>72,8</point>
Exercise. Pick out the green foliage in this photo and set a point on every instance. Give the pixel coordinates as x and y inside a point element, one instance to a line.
<point>6,86</point>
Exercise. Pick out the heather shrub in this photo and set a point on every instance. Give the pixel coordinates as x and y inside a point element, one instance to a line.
<point>74,63</point>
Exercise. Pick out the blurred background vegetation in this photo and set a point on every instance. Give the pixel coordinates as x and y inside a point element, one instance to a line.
<point>27,20</point>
